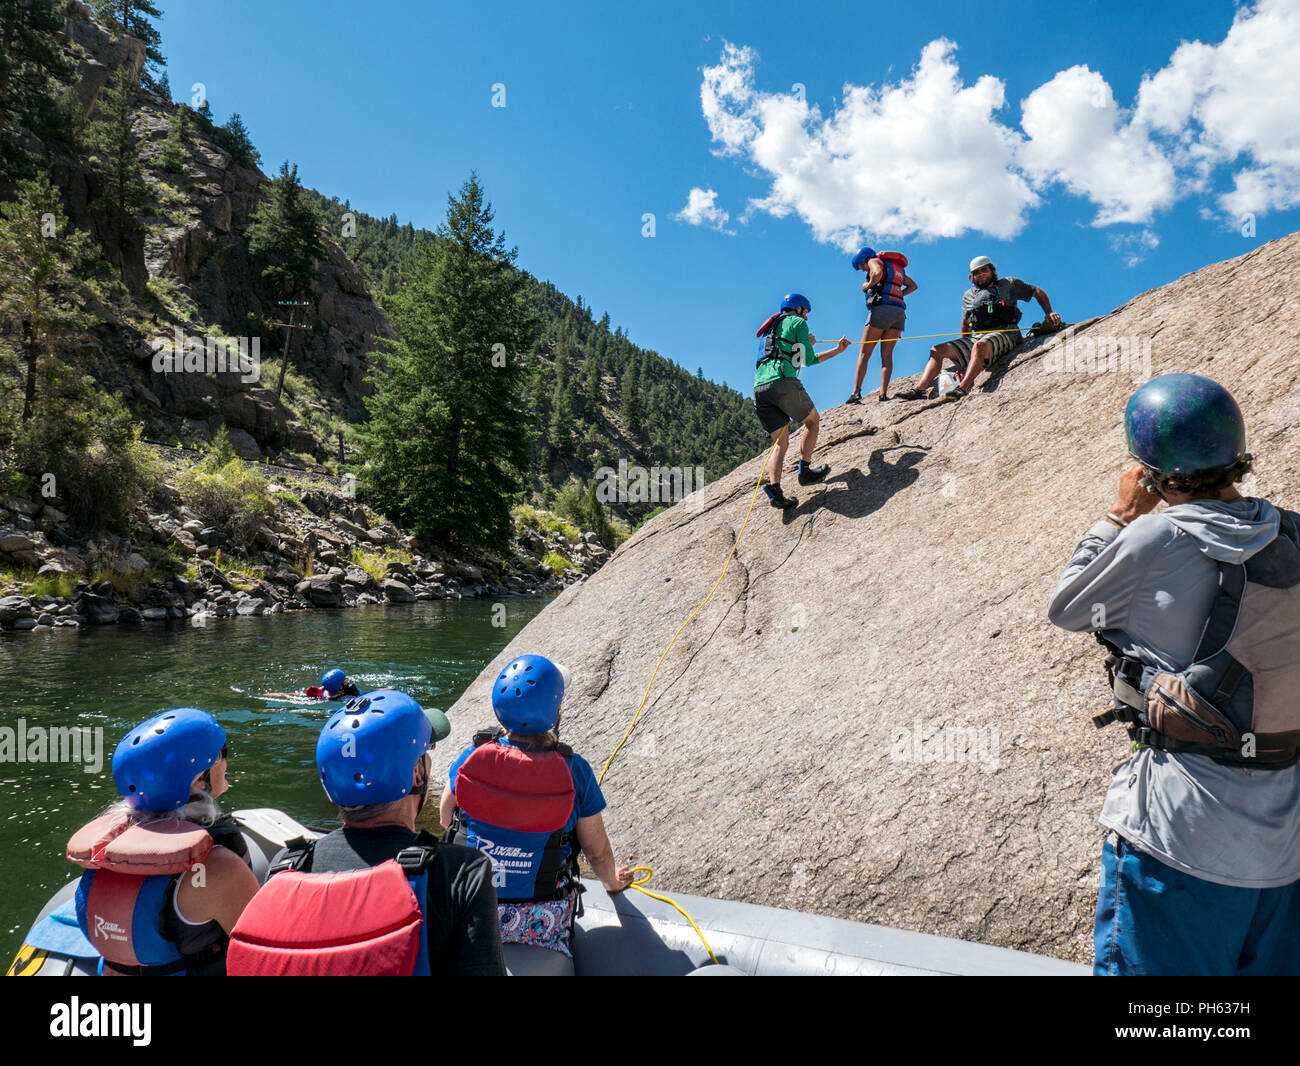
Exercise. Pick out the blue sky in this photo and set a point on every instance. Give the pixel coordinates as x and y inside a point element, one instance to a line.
<point>1105,187</point>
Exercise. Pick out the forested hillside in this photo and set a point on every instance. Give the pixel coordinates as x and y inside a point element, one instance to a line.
<point>596,397</point>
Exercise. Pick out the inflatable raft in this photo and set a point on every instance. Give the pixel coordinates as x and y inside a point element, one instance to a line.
<point>629,934</point>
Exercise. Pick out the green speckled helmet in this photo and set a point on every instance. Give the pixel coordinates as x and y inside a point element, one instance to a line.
<point>1185,424</point>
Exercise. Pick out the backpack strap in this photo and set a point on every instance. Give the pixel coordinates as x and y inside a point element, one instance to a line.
<point>298,857</point>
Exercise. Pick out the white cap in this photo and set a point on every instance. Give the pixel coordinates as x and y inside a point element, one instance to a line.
<point>980,261</point>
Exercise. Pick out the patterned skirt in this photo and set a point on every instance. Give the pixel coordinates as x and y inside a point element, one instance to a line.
<point>543,924</point>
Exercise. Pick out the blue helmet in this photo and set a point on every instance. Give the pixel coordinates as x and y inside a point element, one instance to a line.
<point>155,764</point>
<point>527,693</point>
<point>863,254</point>
<point>368,749</point>
<point>1185,424</point>
<point>792,301</point>
<point>333,680</point>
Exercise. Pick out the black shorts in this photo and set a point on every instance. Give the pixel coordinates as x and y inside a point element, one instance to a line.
<point>779,401</point>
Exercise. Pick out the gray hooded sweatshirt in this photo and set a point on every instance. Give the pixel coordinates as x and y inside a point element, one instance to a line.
<point>1154,582</point>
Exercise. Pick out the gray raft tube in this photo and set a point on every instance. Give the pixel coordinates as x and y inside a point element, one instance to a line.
<point>632,934</point>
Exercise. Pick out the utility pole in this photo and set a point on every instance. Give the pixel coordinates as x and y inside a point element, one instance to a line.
<point>293,306</point>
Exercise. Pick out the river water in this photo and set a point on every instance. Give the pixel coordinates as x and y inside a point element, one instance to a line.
<point>111,678</point>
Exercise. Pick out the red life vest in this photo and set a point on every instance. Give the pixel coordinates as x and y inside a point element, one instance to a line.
<point>122,895</point>
<point>513,804</point>
<point>315,692</point>
<point>889,290</point>
<point>360,923</point>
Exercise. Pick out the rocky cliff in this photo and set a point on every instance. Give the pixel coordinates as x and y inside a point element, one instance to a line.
<point>188,265</point>
<point>872,718</point>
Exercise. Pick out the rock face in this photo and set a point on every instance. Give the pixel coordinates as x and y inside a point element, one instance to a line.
<point>800,747</point>
<point>200,246</point>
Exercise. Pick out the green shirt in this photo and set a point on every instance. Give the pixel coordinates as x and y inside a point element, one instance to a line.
<point>792,330</point>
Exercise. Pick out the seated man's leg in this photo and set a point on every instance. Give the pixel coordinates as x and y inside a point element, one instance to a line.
<point>938,354</point>
<point>979,355</point>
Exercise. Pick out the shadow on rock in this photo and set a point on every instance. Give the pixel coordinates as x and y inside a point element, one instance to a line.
<point>855,494</point>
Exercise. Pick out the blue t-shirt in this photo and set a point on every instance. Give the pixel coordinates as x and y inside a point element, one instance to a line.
<point>587,797</point>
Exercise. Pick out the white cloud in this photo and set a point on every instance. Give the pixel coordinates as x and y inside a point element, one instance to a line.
<point>928,157</point>
<point>702,210</point>
<point>1237,100</point>
<point>1078,136</point>
<point>924,155</point>
<point>1134,247</point>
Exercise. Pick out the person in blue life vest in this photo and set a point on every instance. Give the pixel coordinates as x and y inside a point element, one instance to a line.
<point>531,803</point>
<point>1199,608</point>
<point>886,287</point>
<point>375,897</point>
<point>989,328</point>
<point>780,398</point>
<point>166,877</point>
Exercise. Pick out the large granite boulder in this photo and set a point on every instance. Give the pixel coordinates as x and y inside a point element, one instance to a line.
<point>872,717</point>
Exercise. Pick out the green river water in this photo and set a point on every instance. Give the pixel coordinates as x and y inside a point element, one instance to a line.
<point>114,677</point>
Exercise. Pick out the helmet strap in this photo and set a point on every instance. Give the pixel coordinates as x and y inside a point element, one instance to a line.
<point>421,786</point>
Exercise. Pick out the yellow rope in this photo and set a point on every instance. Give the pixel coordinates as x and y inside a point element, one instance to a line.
<point>673,903</point>
<point>604,769</point>
<point>632,725</point>
<point>929,336</point>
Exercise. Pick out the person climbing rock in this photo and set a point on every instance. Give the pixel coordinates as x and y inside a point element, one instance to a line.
<point>374,898</point>
<point>531,804</point>
<point>989,330</point>
<point>886,286</point>
<point>166,877</point>
<point>779,397</point>
<point>1199,606</point>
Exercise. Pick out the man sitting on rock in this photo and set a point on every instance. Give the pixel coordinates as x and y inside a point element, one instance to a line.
<point>989,318</point>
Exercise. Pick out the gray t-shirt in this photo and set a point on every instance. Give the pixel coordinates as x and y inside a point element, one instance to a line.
<point>1154,581</point>
<point>1006,290</point>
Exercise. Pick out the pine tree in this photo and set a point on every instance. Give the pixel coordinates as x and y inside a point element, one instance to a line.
<point>234,138</point>
<point>561,425</point>
<point>591,387</point>
<point>134,17</point>
<point>42,266</point>
<point>35,69</point>
<point>447,442</point>
<point>285,233</point>
<point>115,149</point>
<point>175,148</point>
<point>629,391</point>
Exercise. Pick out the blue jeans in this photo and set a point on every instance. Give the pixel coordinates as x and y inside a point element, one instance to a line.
<point>1153,919</point>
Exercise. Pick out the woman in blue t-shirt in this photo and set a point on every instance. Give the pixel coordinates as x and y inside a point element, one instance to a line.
<point>530,803</point>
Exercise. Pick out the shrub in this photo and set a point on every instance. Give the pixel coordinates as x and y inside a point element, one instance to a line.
<point>90,455</point>
<point>375,563</point>
<point>55,586</point>
<point>558,562</point>
<point>227,492</point>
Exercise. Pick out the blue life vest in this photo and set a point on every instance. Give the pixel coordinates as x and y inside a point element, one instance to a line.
<point>889,290</point>
<point>513,805</point>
